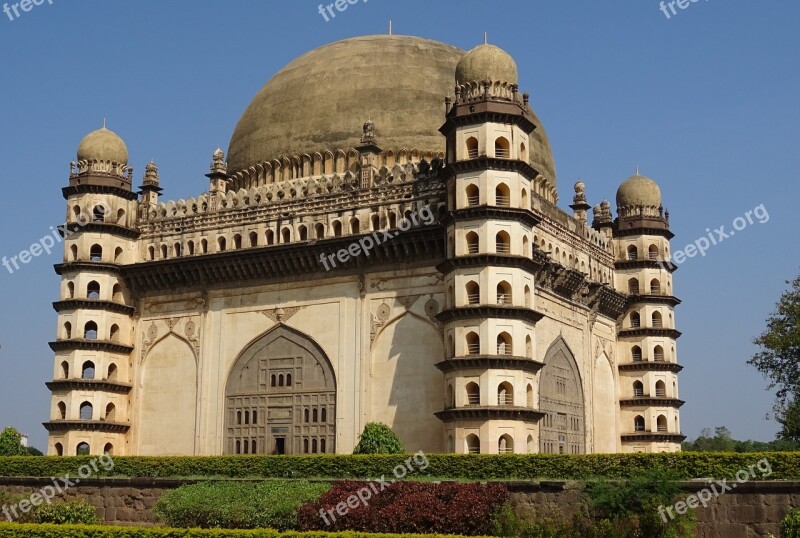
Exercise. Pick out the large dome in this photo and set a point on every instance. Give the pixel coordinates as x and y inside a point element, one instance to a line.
<point>321,100</point>
<point>103,145</point>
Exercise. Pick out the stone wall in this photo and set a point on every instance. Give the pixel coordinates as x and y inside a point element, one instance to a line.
<point>753,509</point>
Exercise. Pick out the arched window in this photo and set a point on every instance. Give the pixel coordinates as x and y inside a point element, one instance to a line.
<point>274,381</point>
<point>116,294</point>
<point>503,243</point>
<point>661,423</point>
<point>451,446</point>
<point>472,148</point>
<point>655,287</point>
<point>113,333</point>
<point>505,394</point>
<point>164,252</point>
<point>633,286</point>
<point>288,380</point>
<point>111,412</point>
<point>204,246</point>
<point>658,353</point>
<point>59,449</point>
<point>451,396</point>
<point>375,222</point>
<point>657,320</point>
<point>526,248</point>
<point>502,195</point>
<point>661,389</point>
<point>531,446</point>
<point>528,347</point>
<point>502,149</point>
<point>473,243</point>
<point>65,370</point>
<point>112,372</point>
<point>638,389</point>
<point>505,445</point>
<point>320,230</point>
<point>504,346</point>
<point>303,231</point>
<point>633,252</point>
<point>253,239</point>
<point>62,410</point>
<point>638,423</point>
<point>90,331</point>
<point>221,244</point>
<point>247,418</point>
<point>473,443</point>
<point>355,226</point>
<point>108,449</point>
<point>636,320</point>
<point>337,228</point>
<point>270,237</point>
<point>177,250</point>
<point>306,415</point>
<point>121,217</point>
<point>96,253</point>
<point>70,290</point>
<point>74,251</point>
<point>473,293</point>
<point>473,394</point>
<point>151,252</point>
<point>504,293</point>
<point>529,395</point>
<point>237,242</point>
<point>67,330</point>
<point>636,354</point>
<point>313,446</point>
<point>527,296</point>
<point>305,446</point>
<point>117,254</point>
<point>98,214</point>
<point>323,415</point>
<point>76,212</point>
<point>473,195</point>
<point>87,411</point>
<point>653,252</point>
<point>523,199</point>
<point>473,344</point>
<point>280,380</point>
<point>315,415</point>
<point>255,417</point>
<point>83,449</point>
<point>87,370</point>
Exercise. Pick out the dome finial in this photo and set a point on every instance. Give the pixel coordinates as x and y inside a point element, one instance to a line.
<point>485,38</point>
<point>104,122</point>
<point>637,170</point>
<point>390,26</point>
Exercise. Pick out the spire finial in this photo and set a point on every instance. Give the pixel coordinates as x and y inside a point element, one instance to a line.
<point>390,26</point>
<point>637,169</point>
<point>104,122</point>
<point>485,38</point>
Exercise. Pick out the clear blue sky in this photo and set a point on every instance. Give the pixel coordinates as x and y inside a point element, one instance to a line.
<point>706,102</point>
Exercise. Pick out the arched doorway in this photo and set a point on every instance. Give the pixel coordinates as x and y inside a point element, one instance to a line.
<point>281,397</point>
<point>562,430</point>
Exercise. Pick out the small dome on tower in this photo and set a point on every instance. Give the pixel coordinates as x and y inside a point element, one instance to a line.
<point>638,190</point>
<point>103,145</point>
<point>487,61</point>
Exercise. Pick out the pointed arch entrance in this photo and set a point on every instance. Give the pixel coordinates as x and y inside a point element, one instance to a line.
<point>562,430</point>
<point>280,397</point>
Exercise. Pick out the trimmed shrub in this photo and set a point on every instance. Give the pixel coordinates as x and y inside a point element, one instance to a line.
<point>378,438</point>
<point>405,507</point>
<point>790,526</point>
<point>83,531</point>
<point>67,513</point>
<point>687,465</point>
<point>236,505</point>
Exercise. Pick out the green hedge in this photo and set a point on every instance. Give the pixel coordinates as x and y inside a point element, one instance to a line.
<point>688,465</point>
<point>11,530</point>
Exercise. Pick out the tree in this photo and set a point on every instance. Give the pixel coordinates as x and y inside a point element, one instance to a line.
<point>11,443</point>
<point>779,358</point>
<point>378,438</point>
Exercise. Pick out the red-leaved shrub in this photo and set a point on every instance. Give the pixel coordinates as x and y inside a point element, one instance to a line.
<point>406,507</point>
